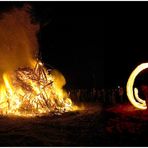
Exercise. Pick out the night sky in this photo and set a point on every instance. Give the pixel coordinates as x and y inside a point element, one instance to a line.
<point>73,41</point>
<point>126,40</point>
<point>94,44</point>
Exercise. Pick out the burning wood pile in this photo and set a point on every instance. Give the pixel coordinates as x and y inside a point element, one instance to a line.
<point>32,91</point>
<point>27,88</point>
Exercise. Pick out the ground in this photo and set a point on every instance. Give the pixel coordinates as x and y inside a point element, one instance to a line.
<point>96,125</point>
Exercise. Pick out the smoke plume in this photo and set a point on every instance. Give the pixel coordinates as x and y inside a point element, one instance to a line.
<point>18,41</point>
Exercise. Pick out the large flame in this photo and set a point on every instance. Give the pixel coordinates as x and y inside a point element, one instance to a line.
<point>33,91</point>
<point>26,86</point>
<point>133,96</point>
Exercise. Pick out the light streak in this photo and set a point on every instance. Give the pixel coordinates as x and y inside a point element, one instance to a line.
<point>133,95</point>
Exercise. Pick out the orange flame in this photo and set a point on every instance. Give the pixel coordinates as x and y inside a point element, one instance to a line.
<point>27,88</point>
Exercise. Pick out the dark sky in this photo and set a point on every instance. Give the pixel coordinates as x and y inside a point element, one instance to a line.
<point>126,40</point>
<point>92,43</point>
<point>73,41</point>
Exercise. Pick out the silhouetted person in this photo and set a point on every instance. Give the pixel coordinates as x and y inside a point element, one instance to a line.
<point>121,92</point>
<point>113,96</point>
<point>103,94</point>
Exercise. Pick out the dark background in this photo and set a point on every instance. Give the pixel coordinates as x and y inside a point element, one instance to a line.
<point>126,41</point>
<point>94,44</point>
<point>73,41</point>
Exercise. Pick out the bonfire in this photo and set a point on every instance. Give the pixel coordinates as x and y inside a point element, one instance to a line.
<point>27,88</point>
<point>32,91</point>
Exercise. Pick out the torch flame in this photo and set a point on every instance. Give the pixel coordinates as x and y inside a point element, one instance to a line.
<point>133,96</point>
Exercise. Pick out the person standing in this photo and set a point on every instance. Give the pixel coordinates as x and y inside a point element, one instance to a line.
<point>121,92</point>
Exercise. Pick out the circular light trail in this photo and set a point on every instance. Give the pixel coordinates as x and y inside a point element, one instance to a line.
<point>133,93</point>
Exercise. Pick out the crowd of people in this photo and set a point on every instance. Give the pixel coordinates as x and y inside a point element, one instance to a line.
<point>104,96</point>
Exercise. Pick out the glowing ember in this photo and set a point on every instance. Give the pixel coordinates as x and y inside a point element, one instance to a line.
<point>133,96</point>
<point>27,88</point>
